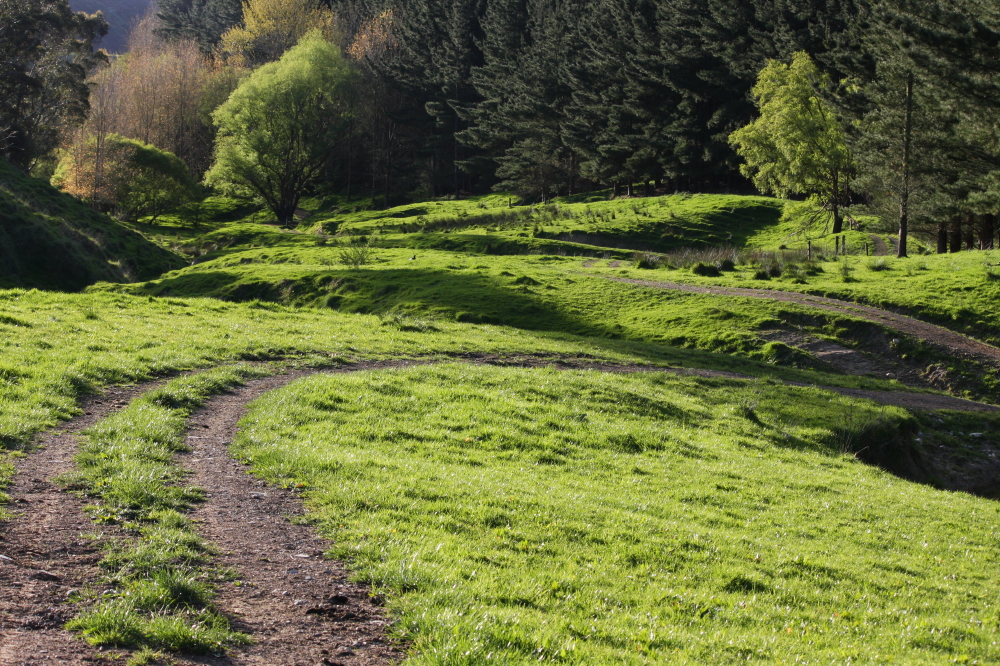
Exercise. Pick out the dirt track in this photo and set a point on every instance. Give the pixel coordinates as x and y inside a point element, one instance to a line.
<point>283,600</point>
<point>937,335</point>
<point>49,555</point>
<point>299,607</point>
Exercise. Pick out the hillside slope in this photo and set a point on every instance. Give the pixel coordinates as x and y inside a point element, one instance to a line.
<point>50,240</point>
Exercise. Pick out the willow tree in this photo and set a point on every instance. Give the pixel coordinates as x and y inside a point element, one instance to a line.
<point>797,144</point>
<point>283,124</point>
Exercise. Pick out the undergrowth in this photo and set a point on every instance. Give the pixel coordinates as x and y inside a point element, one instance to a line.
<point>158,586</point>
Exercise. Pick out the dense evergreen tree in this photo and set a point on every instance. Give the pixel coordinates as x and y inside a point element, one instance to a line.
<point>204,21</point>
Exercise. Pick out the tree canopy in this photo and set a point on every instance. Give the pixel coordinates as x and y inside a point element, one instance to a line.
<point>797,145</point>
<point>282,125</point>
<point>46,53</point>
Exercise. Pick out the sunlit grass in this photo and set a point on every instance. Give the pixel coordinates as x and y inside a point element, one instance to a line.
<point>515,515</point>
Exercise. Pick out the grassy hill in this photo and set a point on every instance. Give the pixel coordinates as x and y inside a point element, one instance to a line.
<point>486,260</point>
<point>713,508</point>
<point>50,240</point>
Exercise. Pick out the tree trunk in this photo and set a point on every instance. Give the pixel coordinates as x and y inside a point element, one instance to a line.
<point>455,158</point>
<point>904,198</point>
<point>942,237</point>
<point>969,232</point>
<point>615,190</point>
<point>955,235</point>
<point>986,225</point>
<point>838,220</point>
<point>350,164</point>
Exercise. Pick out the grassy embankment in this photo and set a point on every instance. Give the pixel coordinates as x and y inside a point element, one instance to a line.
<point>51,240</point>
<point>516,516</point>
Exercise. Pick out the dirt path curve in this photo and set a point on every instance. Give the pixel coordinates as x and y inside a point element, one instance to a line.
<point>298,607</point>
<point>937,335</point>
<point>879,249</point>
<point>48,555</point>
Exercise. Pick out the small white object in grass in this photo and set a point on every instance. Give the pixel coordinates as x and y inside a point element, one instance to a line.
<point>975,434</point>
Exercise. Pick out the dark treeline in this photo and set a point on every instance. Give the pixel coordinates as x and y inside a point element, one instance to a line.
<point>549,97</point>
<point>558,97</point>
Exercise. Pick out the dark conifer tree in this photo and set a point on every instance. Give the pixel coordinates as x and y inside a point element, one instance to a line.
<point>204,21</point>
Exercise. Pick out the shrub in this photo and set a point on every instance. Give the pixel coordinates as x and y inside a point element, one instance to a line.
<point>648,261</point>
<point>879,264</point>
<point>706,270</point>
<point>356,255</point>
<point>123,176</point>
<point>727,264</point>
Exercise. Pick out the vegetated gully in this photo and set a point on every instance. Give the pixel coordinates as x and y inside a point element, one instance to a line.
<point>298,607</point>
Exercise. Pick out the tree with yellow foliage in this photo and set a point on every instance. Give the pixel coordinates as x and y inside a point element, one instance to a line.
<point>271,27</point>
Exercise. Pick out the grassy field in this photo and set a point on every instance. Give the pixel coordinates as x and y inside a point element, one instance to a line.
<point>55,348</point>
<point>515,516</point>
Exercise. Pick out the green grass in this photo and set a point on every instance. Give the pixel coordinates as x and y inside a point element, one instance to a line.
<point>51,240</point>
<point>158,587</point>
<point>572,294</point>
<point>515,516</point>
<point>56,348</point>
<point>956,291</point>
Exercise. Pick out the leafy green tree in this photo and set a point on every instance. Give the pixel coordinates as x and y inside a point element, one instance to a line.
<point>797,144</point>
<point>282,125</point>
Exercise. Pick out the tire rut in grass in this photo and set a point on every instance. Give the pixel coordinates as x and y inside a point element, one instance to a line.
<point>879,248</point>
<point>298,607</point>
<point>942,337</point>
<point>48,555</point>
